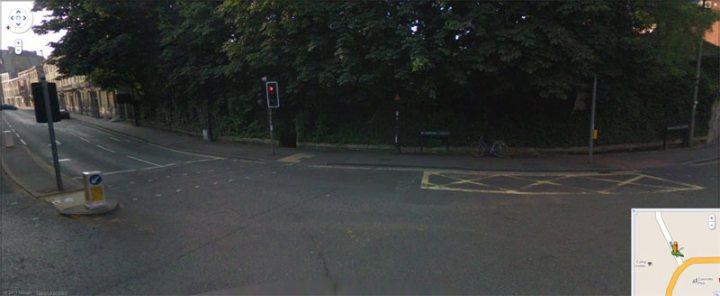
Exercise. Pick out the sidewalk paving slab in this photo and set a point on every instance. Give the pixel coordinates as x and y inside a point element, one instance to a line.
<point>31,174</point>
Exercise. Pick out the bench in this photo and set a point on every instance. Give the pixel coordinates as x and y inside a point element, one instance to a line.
<point>684,129</point>
<point>442,135</point>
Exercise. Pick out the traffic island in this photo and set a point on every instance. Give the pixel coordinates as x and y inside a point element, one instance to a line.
<point>73,203</point>
<point>89,201</point>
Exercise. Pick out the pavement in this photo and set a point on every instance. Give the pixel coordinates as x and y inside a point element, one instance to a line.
<point>601,162</point>
<point>228,218</point>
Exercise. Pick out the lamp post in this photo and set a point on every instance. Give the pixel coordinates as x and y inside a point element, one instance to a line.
<point>691,134</point>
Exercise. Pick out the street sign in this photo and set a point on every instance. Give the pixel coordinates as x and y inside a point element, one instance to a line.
<point>95,179</point>
<point>272,93</point>
<point>39,102</point>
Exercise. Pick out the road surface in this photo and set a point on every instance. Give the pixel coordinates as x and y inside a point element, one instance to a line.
<point>208,225</point>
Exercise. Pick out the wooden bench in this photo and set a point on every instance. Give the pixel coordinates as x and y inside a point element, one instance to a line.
<point>684,129</point>
<point>442,135</point>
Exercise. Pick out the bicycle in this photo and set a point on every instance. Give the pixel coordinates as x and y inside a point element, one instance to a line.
<point>482,147</point>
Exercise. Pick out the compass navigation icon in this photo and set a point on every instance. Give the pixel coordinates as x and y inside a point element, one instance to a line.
<point>20,20</point>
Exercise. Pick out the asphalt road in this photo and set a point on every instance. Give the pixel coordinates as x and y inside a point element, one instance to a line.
<point>83,148</point>
<point>230,226</point>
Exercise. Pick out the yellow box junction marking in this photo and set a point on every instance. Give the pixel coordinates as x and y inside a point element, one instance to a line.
<point>554,183</point>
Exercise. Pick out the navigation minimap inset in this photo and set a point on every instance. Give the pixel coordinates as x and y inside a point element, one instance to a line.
<point>675,252</point>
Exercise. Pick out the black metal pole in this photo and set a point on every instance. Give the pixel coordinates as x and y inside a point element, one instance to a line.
<point>51,131</point>
<point>397,126</point>
<point>272,133</point>
<point>592,120</point>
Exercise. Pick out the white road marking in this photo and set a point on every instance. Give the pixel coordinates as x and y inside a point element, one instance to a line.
<point>145,161</point>
<point>58,142</point>
<point>120,172</point>
<point>120,140</point>
<point>711,162</point>
<point>203,160</point>
<point>23,141</point>
<point>17,135</point>
<point>86,140</point>
<point>106,149</point>
<point>64,159</point>
<point>666,233</point>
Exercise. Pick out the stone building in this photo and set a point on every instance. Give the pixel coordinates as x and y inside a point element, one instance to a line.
<point>11,64</point>
<point>77,95</point>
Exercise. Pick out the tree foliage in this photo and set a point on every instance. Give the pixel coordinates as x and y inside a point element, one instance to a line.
<point>469,66</point>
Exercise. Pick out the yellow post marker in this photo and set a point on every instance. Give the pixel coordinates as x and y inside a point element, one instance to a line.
<point>596,133</point>
<point>94,190</point>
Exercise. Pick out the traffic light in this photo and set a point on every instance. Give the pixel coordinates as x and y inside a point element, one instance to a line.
<point>272,93</point>
<point>39,102</point>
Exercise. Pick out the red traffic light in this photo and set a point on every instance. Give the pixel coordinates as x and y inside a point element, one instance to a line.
<point>271,88</point>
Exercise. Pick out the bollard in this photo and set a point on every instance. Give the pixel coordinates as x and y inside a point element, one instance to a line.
<point>8,139</point>
<point>205,135</point>
<point>94,190</point>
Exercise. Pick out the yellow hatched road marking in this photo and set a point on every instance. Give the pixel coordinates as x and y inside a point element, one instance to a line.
<point>487,186</point>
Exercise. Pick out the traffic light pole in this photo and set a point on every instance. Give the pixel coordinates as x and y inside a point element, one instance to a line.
<point>272,133</point>
<point>51,131</point>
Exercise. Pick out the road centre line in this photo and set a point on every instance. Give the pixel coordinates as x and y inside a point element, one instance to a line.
<point>86,140</point>
<point>145,161</point>
<point>23,141</point>
<point>17,135</point>
<point>106,149</point>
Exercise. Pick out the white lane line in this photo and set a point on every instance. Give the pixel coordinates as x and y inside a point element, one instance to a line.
<point>106,149</point>
<point>666,233</point>
<point>86,140</point>
<point>145,161</point>
<point>17,135</point>
<point>120,172</point>
<point>64,159</point>
<point>203,160</point>
<point>118,140</point>
<point>705,163</point>
<point>23,141</point>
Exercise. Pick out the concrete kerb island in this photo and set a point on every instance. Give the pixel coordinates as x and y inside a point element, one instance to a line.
<point>90,201</point>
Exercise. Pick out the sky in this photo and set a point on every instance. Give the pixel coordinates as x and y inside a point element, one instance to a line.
<point>21,31</point>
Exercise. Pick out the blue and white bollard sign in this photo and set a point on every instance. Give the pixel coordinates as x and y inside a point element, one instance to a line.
<point>94,190</point>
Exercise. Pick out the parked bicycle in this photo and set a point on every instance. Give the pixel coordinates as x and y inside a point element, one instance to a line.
<point>489,147</point>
